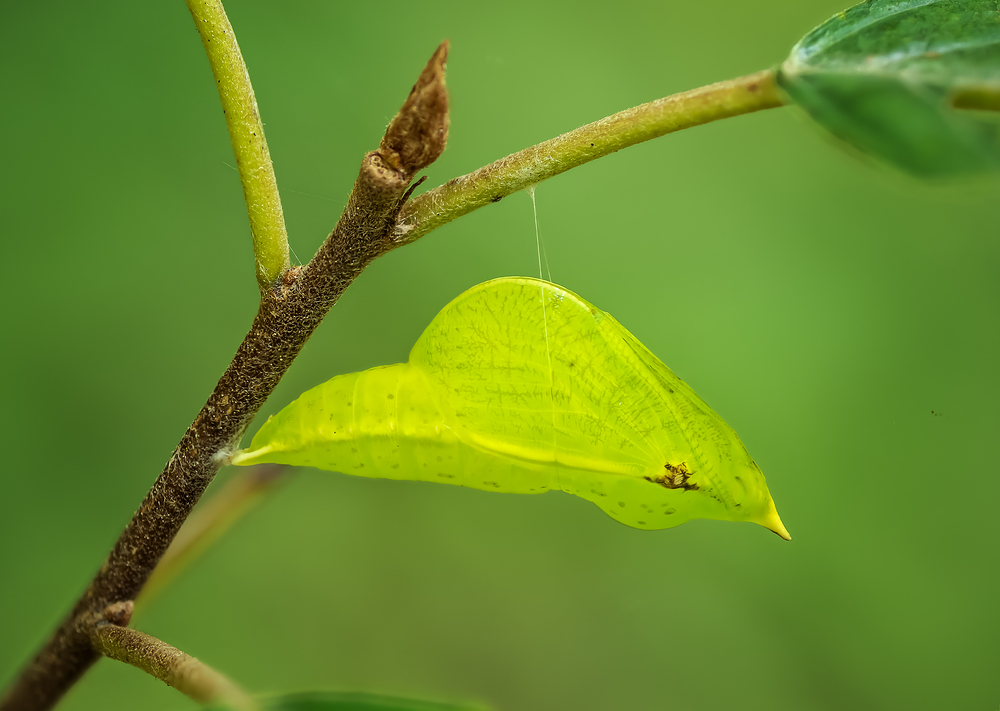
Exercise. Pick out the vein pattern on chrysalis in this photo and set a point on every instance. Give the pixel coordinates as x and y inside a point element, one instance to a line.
<point>521,386</point>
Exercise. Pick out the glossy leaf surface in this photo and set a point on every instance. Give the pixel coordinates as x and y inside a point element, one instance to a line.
<point>905,82</point>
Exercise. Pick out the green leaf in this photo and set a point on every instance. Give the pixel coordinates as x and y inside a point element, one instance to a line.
<point>886,76</point>
<point>521,386</point>
<point>353,701</point>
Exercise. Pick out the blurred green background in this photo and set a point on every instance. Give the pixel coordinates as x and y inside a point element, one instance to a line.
<point>824,306</point>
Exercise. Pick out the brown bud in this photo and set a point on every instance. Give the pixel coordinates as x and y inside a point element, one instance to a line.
<point>418,133</point>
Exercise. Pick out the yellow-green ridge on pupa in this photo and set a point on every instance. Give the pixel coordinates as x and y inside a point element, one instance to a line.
<point>521,386</point>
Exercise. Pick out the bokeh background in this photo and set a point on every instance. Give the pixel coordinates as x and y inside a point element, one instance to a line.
<point>823,305</point>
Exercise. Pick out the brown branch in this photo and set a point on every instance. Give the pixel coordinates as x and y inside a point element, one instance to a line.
<point>287,317</point>
<point>112,638</point>
<point>209,520</point>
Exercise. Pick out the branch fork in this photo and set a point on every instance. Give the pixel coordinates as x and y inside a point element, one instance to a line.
<point>292,305</point>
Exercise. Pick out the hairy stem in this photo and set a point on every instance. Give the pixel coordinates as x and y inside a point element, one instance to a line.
<point>170,665</point>
<point>253,160</point>
<point>521,170</point>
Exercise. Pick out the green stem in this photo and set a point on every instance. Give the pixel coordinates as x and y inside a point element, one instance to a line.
<point>253,160</point>
<point>521,170</point>
<point>171,666</point>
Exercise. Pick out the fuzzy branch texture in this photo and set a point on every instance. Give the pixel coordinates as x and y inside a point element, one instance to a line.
<point>170,665</point>
<point>531,166</point>
<point>288,315</point>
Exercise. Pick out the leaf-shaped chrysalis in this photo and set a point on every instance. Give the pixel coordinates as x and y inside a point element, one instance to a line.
<point>519,385</point>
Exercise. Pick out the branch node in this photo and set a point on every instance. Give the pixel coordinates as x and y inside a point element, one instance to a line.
<point>119,613</point>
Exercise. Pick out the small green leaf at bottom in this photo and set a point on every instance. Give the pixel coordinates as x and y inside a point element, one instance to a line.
<point>353,701</point>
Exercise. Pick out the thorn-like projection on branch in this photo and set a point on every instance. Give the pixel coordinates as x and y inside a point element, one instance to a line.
<point>418,133</point>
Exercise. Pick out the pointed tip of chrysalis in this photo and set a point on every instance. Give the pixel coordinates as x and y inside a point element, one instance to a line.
<point>772,522</point>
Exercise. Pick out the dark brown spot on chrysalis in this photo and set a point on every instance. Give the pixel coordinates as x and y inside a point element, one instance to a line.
<point>677,476</point>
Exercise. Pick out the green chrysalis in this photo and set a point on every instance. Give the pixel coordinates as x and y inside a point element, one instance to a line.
<point>519,385</point>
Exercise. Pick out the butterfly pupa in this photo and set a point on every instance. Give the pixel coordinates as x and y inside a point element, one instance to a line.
<point>519,385</point>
